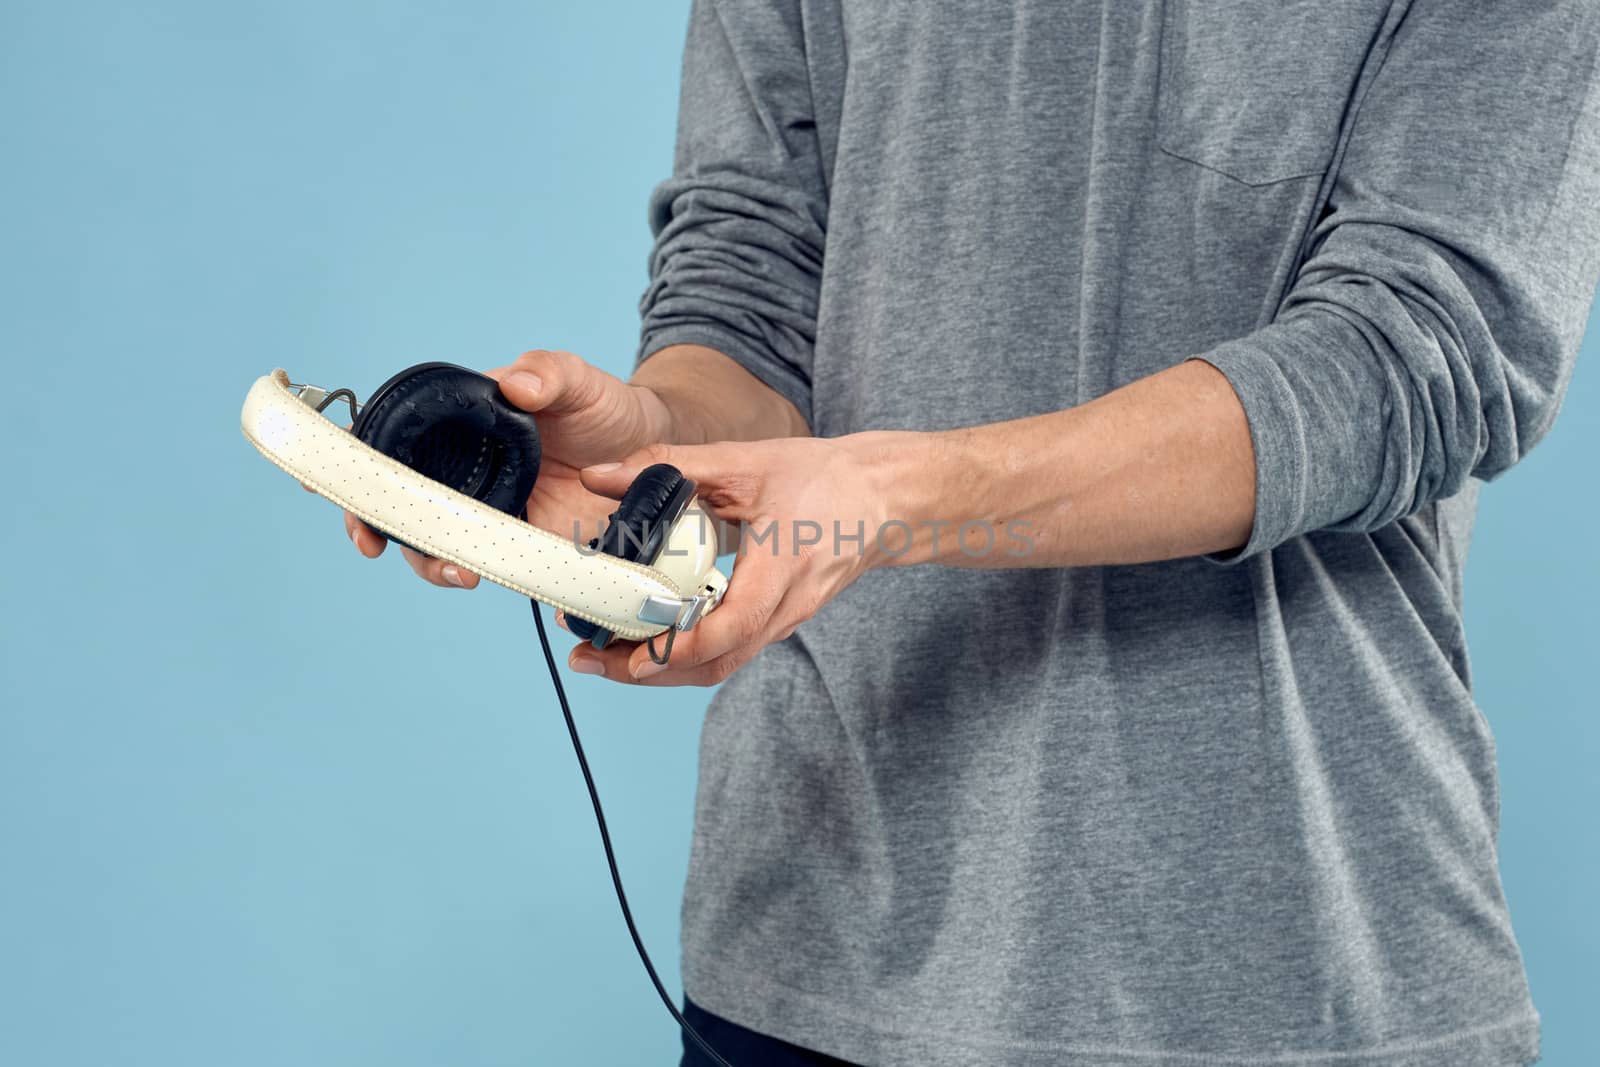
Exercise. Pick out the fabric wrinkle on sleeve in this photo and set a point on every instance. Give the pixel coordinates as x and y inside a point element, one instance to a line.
<point>740,226</point>
<point>1431,333</point>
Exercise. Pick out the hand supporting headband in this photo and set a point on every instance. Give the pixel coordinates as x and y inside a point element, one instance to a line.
<point>441,462</point>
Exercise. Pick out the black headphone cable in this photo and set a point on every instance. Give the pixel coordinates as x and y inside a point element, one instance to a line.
<point>605,840</point>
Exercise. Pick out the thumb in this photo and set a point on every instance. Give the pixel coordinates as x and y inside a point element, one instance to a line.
<point>549,382</point>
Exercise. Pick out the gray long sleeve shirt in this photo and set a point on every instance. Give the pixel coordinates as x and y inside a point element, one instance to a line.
<point>1216,811</point>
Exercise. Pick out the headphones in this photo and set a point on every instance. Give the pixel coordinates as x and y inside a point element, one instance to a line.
<point>440,461</point>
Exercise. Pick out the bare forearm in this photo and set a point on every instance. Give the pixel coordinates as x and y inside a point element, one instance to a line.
<point>699,395</point>
<point>1159,469</point>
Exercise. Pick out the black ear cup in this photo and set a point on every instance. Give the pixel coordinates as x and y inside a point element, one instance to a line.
<point>452,424</point>
<point>638,528</point>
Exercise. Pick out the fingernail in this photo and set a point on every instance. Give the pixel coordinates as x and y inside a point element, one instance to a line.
<point>601,468</point>
<point>452,575</point>
<point>355,537</point>
<point>647,668</point>
<point>585,664</point>
<point>531,382</point>
<point>561,621</point>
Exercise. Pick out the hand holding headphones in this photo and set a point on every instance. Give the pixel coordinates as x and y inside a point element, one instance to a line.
<point>585,416</point>
<point>439,460</point>
<point>812,513</point>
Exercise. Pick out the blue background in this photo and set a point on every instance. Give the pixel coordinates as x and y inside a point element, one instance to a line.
<point>262,802</point>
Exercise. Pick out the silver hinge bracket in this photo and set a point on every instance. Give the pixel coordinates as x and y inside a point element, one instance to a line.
<point>315,396</point>
<point>678,612</point>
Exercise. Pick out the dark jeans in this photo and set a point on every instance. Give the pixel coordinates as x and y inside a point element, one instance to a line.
<point>741,1047</point>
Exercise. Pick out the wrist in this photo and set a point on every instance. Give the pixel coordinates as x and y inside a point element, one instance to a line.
<point>914,476</point>
<point>707,396</point>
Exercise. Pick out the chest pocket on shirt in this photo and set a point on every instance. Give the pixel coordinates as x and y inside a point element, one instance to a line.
<point>1257,89</point>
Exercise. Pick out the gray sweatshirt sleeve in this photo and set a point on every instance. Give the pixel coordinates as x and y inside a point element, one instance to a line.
<point>1432,331</point>
<point>739,227</point>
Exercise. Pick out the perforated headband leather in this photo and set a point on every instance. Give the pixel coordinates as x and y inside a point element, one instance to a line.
<point>449,525</point>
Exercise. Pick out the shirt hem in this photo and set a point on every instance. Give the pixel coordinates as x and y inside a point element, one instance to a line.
<point>768,1006</point>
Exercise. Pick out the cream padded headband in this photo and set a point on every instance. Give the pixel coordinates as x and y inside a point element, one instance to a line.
<point>443,523</point>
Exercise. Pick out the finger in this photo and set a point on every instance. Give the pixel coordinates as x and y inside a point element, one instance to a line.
<point>739,622</point>
<point>714,467</point>
<point>439,572</point>
<point>602,480</point>
<point>369,542</point>
<point>551,382</point>
<point>584,660</point>
<point>733,643</point>
<point>792,611</point>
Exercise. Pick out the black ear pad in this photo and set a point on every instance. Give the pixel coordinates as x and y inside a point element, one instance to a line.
<point>453,425</point>
<point>638,528</point>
